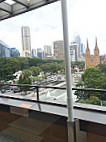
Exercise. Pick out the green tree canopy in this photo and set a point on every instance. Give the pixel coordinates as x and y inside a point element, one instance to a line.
<point>35,70</point>
<point>24,62</point>
<point>45,68</point>
<point>102,68</point>
<point>24,79</point>
<point>8,66</point>
<point>53,68</point>
<point>50,67</point>
<point>27,72</point>
<point>79,64</point>
<point>92,78</point>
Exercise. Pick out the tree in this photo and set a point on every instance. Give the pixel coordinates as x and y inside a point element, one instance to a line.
<point>49,67</point>
<point>80,94</point>
<point>27,72</point>
<point>53,68</point>
<point>102,68</point>
<point>10,65</point>
<point>79,64</point>
<point>24,62</point>
<point>61,66</point>
<point>35,62</point>
<point>13,63</point>
<point>92,78</point>
<point>93,100</point>
<point>45,68</point>
<point>35,70</point>
<point>24,79</point>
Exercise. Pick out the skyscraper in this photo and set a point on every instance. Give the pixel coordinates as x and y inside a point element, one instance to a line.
<point>26,41</point>
<point>14,52</point>
<point>58,50</point>
<point>74,51</point>
<point>39,53</point>
<point>4,50</point>
<point>33,53</point>
<point>47,52</point>
<point>77,39</point>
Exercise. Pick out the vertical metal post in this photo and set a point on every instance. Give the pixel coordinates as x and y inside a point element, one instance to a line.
<point>68,72</point>
<point>37,89</point>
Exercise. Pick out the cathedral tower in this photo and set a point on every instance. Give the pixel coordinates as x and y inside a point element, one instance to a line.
<point>92,60</point>
<point>96,50</point>
<point>87,53</point>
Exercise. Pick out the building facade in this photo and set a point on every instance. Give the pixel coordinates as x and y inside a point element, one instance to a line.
<point>77,39</point>
<point>58,50</point>
<point>26,41</point>
<point>4,50</point>
<point>47,52</point>
<point>74,51</point>
<point>33,53</point>
<point>39,53</point>
<point>92,60</point>
<point>82,55</point>
<point>14,52</point>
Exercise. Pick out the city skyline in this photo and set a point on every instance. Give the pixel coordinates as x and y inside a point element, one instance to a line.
<point>46,22</point>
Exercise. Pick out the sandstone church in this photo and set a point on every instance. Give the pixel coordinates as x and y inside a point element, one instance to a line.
<point>92,60</point>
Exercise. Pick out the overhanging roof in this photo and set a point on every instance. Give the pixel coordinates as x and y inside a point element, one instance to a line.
<point>10,8</point>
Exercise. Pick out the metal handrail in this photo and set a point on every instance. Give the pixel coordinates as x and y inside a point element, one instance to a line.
<point>63,88</point>
<point>51,87</point>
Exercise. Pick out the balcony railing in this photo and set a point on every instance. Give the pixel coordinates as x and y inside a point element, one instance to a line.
<point>36,89</point>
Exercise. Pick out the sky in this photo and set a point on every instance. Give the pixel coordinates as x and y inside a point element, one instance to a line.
<point>85,17</point>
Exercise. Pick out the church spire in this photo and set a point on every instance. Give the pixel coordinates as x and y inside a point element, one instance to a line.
<point>87,49</point>
<point>96,50</point>
<point>96,46</point>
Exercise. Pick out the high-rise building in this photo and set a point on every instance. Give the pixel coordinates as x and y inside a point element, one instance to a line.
<point>4,50</point>
<point>39,53</point>
<point>92,60</point>
<point>48,49</point>
<point>82,54</point>
<point>58,50</point>
<point>47,52</point>
<point>33,53</point>
<point>14,52</point>
<point>82,48</point>
<point>77,39</point>
<point>26,41</point>
<point>74,51</point>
